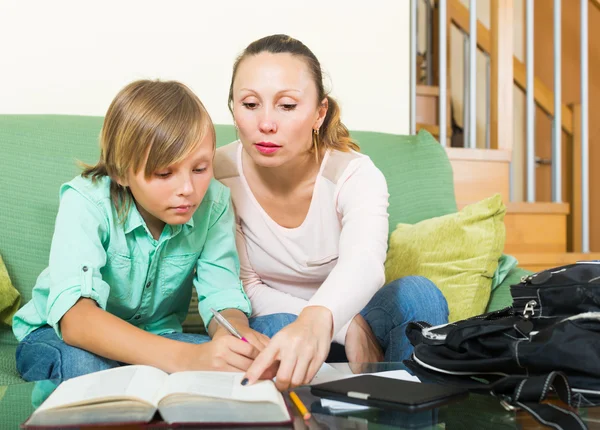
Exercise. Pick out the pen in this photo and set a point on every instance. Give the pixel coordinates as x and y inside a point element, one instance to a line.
<point>224,323</point>
<point>296,400</point>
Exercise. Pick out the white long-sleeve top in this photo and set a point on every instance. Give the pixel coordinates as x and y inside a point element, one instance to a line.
<point>335,258</point>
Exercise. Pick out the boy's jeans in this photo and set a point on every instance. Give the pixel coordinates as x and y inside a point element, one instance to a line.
<point>43,355</point>
<point>412,298</point>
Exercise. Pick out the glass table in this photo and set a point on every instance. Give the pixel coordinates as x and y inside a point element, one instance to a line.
<point>475,412</point>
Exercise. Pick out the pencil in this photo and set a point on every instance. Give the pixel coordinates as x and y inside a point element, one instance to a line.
<point>296,400</point>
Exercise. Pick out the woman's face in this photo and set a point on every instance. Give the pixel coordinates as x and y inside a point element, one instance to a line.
<point>275,108</point>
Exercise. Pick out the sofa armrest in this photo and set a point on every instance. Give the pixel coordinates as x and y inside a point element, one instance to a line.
<point>500,297</point>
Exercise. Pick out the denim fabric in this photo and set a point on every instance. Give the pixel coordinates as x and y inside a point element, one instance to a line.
<point>412,298</point>
<point>43,355</point>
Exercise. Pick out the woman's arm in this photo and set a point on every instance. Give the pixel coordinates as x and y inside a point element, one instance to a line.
<point>359,273</point>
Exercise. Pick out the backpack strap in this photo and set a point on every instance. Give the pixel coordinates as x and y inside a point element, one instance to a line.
<point>530,392</point>
<point>517,391</point>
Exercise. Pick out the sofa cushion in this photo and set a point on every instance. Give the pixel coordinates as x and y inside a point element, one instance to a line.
<point>8,366</point>
<point>458,252</point>
<point>418,173</point>
<point>39,153</point>
<point>9,296</point>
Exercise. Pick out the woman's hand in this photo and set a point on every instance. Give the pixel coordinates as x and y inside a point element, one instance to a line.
<point>361,344</point>
<point>300,348</point>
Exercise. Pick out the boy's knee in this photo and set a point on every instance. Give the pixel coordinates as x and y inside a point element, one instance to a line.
<point>43,361</point>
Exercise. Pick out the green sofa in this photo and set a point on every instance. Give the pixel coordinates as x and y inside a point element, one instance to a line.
<point>39,152</point>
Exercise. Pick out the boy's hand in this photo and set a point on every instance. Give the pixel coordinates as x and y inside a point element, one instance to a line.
<point>240,322</point>
<point>224,353</point>
<point>258,340</point>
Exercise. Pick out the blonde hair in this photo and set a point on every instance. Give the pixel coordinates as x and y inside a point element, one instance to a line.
<point>153,122</point>
<point>332,133</point>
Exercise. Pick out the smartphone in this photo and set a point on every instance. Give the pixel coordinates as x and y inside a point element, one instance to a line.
<point>391,393</point>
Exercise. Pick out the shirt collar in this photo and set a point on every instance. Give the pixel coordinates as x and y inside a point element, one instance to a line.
<point>134,220</point>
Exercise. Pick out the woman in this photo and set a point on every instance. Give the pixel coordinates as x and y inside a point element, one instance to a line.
<point>312,222</point>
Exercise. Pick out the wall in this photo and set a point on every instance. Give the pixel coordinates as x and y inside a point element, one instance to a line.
<point>71,57</point>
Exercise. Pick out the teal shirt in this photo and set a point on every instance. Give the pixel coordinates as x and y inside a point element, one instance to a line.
<point>143,281</point>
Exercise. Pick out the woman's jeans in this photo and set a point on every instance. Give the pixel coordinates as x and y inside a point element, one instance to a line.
<point>412,298</point>
<point>43,355</point>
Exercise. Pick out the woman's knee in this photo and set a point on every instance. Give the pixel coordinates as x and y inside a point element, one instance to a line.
<point>269,325</point>
<point>418,297</point>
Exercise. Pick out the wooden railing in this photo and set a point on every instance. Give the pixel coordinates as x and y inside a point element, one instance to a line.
<point>458,15</point>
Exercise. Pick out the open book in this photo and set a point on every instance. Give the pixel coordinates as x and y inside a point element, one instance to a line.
<point>133,394</point>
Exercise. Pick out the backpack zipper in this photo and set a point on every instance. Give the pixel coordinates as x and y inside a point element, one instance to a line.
<point>491,315</point>
<point>529,307</point>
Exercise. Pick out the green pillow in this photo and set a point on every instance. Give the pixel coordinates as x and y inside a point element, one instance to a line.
<point>459,252</point>
<point>10,299</point>
<point>417,171</point>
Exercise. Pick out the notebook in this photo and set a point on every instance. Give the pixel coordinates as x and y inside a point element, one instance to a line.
<point>382,392</point>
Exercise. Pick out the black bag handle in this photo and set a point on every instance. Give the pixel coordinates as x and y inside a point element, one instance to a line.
<point>530,392</point>
<point>518,391</point>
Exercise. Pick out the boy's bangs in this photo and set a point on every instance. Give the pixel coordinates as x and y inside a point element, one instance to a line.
<point>175,140</point>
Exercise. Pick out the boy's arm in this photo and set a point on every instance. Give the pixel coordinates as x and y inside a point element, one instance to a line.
<point>217,278</point>
<point>120,341</point>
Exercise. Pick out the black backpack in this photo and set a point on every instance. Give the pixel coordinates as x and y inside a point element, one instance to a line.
<point>548,340</point>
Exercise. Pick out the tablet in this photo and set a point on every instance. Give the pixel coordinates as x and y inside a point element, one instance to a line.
<point>386,393</point>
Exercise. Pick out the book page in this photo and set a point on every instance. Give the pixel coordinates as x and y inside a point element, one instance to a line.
<point>126,382</point>
<point>219,397</point>
<point>224,385</point>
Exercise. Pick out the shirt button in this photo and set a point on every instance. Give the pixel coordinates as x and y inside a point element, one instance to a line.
<point>84,268</point>
<point>137,317</point>
<point>148,284</point>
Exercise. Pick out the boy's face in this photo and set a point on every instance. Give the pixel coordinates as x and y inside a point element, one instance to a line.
<point>172,195</point>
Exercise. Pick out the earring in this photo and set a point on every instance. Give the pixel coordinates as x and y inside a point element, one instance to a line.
<point>316,143</point>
